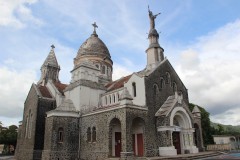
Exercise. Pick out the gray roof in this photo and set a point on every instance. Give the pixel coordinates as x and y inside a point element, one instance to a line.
<point>93,46</point>
<point>196,110</point>
<point>167,107</point>
<point>67,105</point>
<point>51,59</point>
<point>125,94</point>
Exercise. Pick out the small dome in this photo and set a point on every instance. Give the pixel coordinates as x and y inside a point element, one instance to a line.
<point>93,46</point>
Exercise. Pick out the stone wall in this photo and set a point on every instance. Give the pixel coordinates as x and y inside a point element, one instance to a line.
<point>102,148</point>
<point>198,134</point>
<point>55,149</point>
<point>155,99</point>
<point>30,147</point>
<point>25,145</point>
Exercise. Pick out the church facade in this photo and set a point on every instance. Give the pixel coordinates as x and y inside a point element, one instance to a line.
<point>144,114</point>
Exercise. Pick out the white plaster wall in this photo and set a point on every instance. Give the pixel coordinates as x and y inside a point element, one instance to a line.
<point>89,96</point>
<point>55,93</point>
<point>74,96</point>
<point>221,140</point>
<point>150,56</point>
<point>115,92</point>
<point>85,73</point>
<point>84,97</point>
<point>140,98</point>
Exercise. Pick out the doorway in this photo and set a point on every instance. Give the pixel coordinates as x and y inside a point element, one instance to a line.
<point>118,143</point>
<point>176,141</point>
<point>137,137</point>
<point>115,136</point>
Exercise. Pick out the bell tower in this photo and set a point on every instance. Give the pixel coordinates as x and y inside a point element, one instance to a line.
<point>50,68</point>
<point>154,51</point>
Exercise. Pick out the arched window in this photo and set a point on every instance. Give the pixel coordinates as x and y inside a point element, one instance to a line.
<point>103,69</point>
<point>114,99</point>
<point>30,124</point>
<point>97,66</point>
<point>161,83</point>
<point>109,71</point>
<point>110,99</point>
<point>156,54</point>
<point>94,136</point>
<point>89,134</point>
<point>168,78</point>
<point>134,89</point>
<point>26,126</point>
<point>60,134</point>
<point>105,100</point>
<point>155,89</point>
<point>174,87</point>
<point>118,97</point>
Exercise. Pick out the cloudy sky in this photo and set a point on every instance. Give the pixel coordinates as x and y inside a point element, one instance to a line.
<point>201,39</point>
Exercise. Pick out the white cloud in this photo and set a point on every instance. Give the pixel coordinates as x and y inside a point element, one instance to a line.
<point>120,71</point>
<point>210,70</point>
<point>16,13</point>
<point>14,88</point>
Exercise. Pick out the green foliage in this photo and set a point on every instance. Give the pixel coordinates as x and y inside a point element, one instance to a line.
<point>0,126</point>
<point>209,129</point>
<point>9,136</point>
<point>206,125</point>
<point>221,129</point>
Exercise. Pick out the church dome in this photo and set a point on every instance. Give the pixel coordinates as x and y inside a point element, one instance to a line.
<point>94,50</point>
<point>93,46</point>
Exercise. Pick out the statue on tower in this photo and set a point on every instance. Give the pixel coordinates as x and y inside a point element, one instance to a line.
<point>152,18</point>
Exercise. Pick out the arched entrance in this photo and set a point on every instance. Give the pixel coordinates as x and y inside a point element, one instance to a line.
<point>138,136</point>
<point>180,121</point>
<point>182,135</point>
<point>115,142</point>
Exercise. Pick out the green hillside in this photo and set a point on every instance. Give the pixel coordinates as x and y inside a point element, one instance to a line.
<point>226,129</point>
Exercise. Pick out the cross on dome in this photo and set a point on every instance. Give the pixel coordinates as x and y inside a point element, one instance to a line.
<point>94,27</point>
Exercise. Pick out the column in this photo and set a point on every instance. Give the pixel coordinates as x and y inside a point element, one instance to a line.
<point>127,152</point>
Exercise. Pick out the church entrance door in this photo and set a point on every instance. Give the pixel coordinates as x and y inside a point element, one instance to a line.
<point>176,141</point>
<point>117,144</point>
<point>138,144</point>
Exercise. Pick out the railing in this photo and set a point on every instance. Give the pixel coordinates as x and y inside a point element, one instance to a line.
<point>219,147</point>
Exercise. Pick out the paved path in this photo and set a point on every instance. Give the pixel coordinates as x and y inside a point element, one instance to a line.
<point>7,158</point>
<point>226,156</point>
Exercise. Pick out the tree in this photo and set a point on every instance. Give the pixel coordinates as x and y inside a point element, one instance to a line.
<point>1,126</point>
<point>207,130</point>
<point>220,129</point>
<point>9,137</point>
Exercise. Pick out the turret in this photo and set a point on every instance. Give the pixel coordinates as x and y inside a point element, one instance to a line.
<point>50,68</point>
<point>196,112</point>
<point>154,51</point>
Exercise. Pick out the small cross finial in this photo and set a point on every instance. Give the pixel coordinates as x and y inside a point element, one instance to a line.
<point>52,46</point>
<point>94,26</point>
